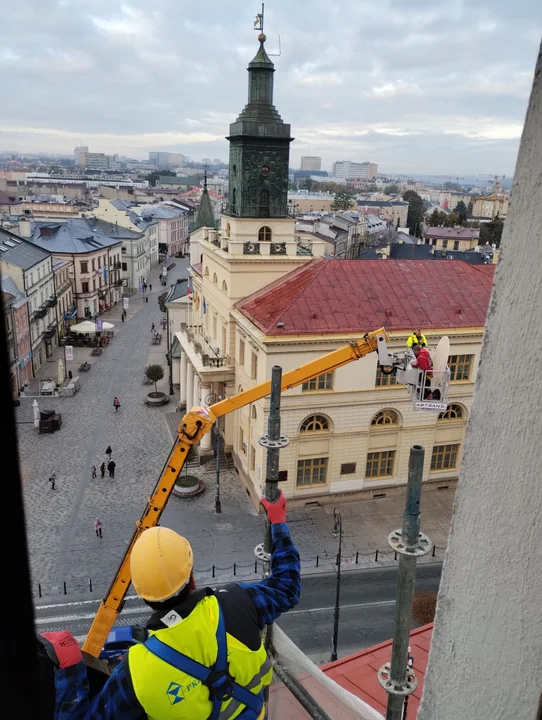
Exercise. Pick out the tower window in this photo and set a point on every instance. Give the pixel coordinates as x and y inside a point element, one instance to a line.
<point>263,203</point>
<point>265,234</point>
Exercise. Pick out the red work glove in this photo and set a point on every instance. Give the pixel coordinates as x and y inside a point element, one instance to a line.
<point>276,511</point>
<point>62,648</point>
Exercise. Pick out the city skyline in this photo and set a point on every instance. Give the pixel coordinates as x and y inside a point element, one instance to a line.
<point>415,90</point>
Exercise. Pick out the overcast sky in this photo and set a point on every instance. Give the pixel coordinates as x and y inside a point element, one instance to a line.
<point>428,86</point>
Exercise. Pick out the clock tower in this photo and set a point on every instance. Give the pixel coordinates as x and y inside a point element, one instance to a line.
<point>259,149</point>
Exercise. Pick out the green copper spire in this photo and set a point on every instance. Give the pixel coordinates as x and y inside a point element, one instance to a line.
<point>259,148</point>
<point>206,216</point>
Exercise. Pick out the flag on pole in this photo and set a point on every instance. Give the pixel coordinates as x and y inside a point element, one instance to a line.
<point>204,306</point>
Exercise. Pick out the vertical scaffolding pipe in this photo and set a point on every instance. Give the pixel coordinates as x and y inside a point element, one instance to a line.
<point>406,579</point>
<point>272,463</point>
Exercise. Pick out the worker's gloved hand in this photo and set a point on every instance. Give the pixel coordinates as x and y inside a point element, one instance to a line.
<point>62,648</point>
<point>276,511</point>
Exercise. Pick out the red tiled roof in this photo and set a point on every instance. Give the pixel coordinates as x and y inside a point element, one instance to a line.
<point>358,674</point>
<point>355,296</point>
<point>452,232</point>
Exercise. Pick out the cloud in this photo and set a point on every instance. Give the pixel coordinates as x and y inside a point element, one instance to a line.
<point>418,86</point>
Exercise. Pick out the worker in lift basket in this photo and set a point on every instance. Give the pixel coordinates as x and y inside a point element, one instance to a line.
<point>204,657</point>
<point>417,338</point>
<point>423,362</point>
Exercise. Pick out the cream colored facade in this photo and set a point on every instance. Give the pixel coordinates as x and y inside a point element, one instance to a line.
<point>453,243</point>
<point>346,448</point>
<point>490,207</point>
<point>233,265</point>
<point>64,275</point>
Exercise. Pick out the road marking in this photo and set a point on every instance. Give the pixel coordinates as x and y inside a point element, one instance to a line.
<point>52,619</point>
<point>381,603</point>
<point>79,603</point>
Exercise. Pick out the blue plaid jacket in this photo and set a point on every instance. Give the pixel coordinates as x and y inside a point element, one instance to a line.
<point>271,597</point>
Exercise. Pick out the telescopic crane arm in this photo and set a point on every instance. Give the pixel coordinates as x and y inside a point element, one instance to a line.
<point>195,424</point>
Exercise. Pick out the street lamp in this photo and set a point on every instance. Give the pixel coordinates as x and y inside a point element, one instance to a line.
<point>210,400</point>
<point>169,355</point>
<point>337,531</point>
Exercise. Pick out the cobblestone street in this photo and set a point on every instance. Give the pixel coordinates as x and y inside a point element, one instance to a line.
<point>60,523</point>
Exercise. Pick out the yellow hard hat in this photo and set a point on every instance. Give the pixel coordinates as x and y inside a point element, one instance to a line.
<point>161,564</point>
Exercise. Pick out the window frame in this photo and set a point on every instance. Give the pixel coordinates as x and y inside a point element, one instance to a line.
<point>314,466</point>
<point>326,379</point>
<point>444,417</point>
<point>254,366</point>
<point>265,234</point>
<point>241,352</point>
<point>455,361</point>
<point>383,414</point>
<point>378,464</point>
<point>313,420</point>
<point>440,452</point>
<point>385,380</point>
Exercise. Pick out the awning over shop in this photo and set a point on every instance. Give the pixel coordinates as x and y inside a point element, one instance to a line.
<point>70,315</point>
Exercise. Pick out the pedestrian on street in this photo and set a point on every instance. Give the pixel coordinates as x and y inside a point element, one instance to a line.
<point>102,469</point>
<point>111,467</point>
<point>150,288</point>
<point>146,298</point>
<point>108,452</point>
<point>93,472</point>
<point>153,328</point>
<point>98,527</point>
<point>122,317</point>
<point>52,480</point>
<point>116,403</point>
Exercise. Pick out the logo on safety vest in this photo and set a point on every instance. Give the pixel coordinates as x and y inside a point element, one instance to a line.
<point>175,693</point>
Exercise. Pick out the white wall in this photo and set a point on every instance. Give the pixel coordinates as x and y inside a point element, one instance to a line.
<point>486,659</point>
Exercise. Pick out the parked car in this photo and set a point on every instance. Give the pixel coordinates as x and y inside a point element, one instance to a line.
<point>120,640</point>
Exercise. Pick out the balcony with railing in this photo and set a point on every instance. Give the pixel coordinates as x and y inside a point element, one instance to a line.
<point>52,302</point>
<point>294,247</point>
<point>208,356</point>
<point>39,313</point>
<point>50,332</point>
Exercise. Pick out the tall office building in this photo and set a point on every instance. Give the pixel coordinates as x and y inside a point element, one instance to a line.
<point>311,162</point>
<point>79,154</point>
<point>348,169</point>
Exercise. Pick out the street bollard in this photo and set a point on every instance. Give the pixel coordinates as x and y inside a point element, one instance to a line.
<point>90,584</point>
<point>213,570</point>
<point>65,591</point>
<point>357,556</point>
<point>376,555</point>
<point>317,559</point>
<point>39,589</point>
<point>234,569</point>
<point>434,548</point>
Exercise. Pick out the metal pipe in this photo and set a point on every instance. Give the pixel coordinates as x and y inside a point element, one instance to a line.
<point>405,582</point>
<point>299,692</point>
<point>218,504</point>
<point>272,463</point>
<point>338,528</point>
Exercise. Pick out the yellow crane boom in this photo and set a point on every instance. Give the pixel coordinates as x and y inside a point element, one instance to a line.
<point>195,424</point>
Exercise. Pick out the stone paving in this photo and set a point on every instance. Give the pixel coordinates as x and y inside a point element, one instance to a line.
<point>60,523</point>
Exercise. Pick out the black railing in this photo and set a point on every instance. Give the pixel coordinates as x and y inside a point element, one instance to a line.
<point>52,302</point>
<point>251,248</point>
<point>40,313</point>
<point>278,249</point>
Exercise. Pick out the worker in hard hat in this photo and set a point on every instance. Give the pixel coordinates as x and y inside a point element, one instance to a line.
<point>417,338</point>
<point>204,657</point>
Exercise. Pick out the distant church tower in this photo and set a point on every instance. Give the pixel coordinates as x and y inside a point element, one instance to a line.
<point>259,149</point>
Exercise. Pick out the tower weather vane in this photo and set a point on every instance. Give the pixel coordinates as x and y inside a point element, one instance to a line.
<point>258,22</point>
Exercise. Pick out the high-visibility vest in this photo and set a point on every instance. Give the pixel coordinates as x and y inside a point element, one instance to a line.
<point>415,340</point>
<point>164,670</point>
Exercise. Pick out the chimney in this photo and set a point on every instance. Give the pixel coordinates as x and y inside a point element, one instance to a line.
<point>25,228</point>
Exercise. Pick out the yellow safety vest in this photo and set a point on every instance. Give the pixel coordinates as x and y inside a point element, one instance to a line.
<point>413,340</point>
<point>165,692</point>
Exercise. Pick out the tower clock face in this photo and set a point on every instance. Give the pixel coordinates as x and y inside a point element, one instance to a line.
<point>265,170</point>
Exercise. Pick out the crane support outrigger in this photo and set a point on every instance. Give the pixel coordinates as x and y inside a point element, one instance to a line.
<point>195,424</point>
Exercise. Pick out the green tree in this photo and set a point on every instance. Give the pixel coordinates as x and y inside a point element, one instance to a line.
<point>153,177</point>
<point>415,212</point>
<point>437,218</point>
<point>391,190</point>
<point>461,210</point>
<point>154,373</point>
<point>342,200</point>
<point>491,232</point>
<point>452,220</point>
<point>307,184</point>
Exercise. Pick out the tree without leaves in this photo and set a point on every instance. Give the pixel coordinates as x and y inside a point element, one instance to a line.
<point>415,212</point>
<point>342,200</point>
<point>154,373</point>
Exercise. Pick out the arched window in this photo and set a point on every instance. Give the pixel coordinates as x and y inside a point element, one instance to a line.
<point>254,413</point>
<point>265,234</point>
<point>228,229</point>
<point>215,279</point>
<point>224,286</point>
<point>239,389</point>
<point>385,417</point>
<point>206,272</point>
<point>452,412</point>
<point>314,423</point>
